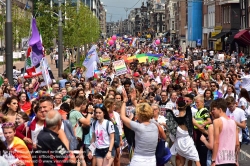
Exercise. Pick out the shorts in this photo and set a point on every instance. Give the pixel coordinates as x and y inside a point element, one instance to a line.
<point>101,153</point>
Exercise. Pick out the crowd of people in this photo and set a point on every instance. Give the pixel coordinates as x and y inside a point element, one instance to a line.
<point>196,112</point>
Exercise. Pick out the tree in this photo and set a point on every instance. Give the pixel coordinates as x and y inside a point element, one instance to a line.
<point>46,23</point>
<point>81,27</point>
<point>21,25</point>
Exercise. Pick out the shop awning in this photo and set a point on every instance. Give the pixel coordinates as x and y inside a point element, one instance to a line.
<point>243,36</point>
<point>218,36</point>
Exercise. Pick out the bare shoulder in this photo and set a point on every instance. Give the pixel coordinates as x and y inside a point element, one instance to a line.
<point>216,122</point>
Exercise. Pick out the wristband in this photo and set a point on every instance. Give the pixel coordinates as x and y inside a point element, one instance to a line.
<point>91,113</point>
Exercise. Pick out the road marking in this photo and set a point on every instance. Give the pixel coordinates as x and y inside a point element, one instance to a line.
<point>245,153</point>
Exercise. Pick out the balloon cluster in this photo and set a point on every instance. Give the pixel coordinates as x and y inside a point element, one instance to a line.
<point>112,40</point>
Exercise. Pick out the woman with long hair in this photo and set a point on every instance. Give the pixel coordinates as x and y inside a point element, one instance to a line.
<point>244,99</point>
<point>208,98</point>
<point>236,83</point>
<point>116,120</point>
<point>24,102</point>
<point>20,154</point>
<point>219,79</point>
<point>231,92</point>
<point>103,138</point>
<point>10,108</point>
<point>88,89</point>
<point>227,82</point>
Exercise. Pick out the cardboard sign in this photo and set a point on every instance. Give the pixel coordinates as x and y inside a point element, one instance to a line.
<point>196,63</point>
<point>120,67</point>
<point>165,61</point>
<point>221,57</point>
<point>106,60</point>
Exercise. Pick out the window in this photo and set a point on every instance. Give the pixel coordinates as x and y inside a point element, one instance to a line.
<point>163,17</point>
<point>243,24</point>
<point>229,14</point>
<point>173,25</point>
<point>163,28</point>
<point>224,15</point>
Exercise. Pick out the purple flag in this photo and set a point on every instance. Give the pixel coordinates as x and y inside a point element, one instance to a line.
<point>36,44</point>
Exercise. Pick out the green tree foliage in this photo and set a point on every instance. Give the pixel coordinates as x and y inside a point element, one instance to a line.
<point>81,26</point>
<point>21,25</point>
<point>47,22</point>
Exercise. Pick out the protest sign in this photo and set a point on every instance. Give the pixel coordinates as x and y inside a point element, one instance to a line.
<point>106,60</point>
<point>120,67</point>
<point>165,61</point>
<point>196,63</point>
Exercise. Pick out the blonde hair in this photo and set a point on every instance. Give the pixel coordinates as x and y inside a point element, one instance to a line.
<point>199,98</point>
<point>144,112</point>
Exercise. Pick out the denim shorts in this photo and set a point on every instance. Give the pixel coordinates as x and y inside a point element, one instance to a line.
<point>101,153</point>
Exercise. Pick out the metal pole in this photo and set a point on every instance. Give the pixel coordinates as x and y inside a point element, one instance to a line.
<point>60,57</point>
<point>8,43</point>
<point>78,47</point>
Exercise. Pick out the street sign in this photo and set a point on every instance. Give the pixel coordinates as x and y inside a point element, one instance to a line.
<point>198,42</point>
<point>25,43</point>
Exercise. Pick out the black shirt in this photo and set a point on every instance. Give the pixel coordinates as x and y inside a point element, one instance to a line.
<point>48,144</point>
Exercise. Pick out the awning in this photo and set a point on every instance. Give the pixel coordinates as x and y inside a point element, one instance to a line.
<point>243,36</point>
<point>218,36</point>
<point>231,38</point>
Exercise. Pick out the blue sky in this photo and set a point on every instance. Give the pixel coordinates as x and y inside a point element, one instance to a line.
<point>116,8</point>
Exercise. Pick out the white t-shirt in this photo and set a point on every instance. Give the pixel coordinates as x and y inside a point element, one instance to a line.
<point>201,91</point>
<point>35,133</point>
<point>101,133</point>
<point>239,116</point>
<point>232,95</point>
<point>171,105</point>
<point>118,122</point>
<point>2,138</point>
<point>194,111</point>
<point>243,102</point>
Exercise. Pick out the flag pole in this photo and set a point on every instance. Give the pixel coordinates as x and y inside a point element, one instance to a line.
<point>25,61</point>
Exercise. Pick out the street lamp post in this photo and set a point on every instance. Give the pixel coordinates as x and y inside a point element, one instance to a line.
<point>8,42</point>
<point>60,47</point>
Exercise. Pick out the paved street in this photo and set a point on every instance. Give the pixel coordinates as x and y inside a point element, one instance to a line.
<point>20,64</point>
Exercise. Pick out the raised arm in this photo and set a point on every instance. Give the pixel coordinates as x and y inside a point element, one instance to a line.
<point>126,121</point>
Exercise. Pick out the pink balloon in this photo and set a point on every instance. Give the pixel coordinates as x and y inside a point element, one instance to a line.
<point>114,37</point>
<point>157,42</point>
<point>111,42</point>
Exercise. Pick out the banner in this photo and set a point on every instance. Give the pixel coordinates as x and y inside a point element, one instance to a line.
<point>106,60</point>
<point>120,67</point>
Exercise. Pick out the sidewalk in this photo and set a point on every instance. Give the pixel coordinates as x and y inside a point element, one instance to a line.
<point>20,64</point>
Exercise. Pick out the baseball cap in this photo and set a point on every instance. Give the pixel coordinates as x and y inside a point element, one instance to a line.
<point>136,74</point>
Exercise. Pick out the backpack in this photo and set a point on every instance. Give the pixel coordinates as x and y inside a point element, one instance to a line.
<point>117,134</point>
